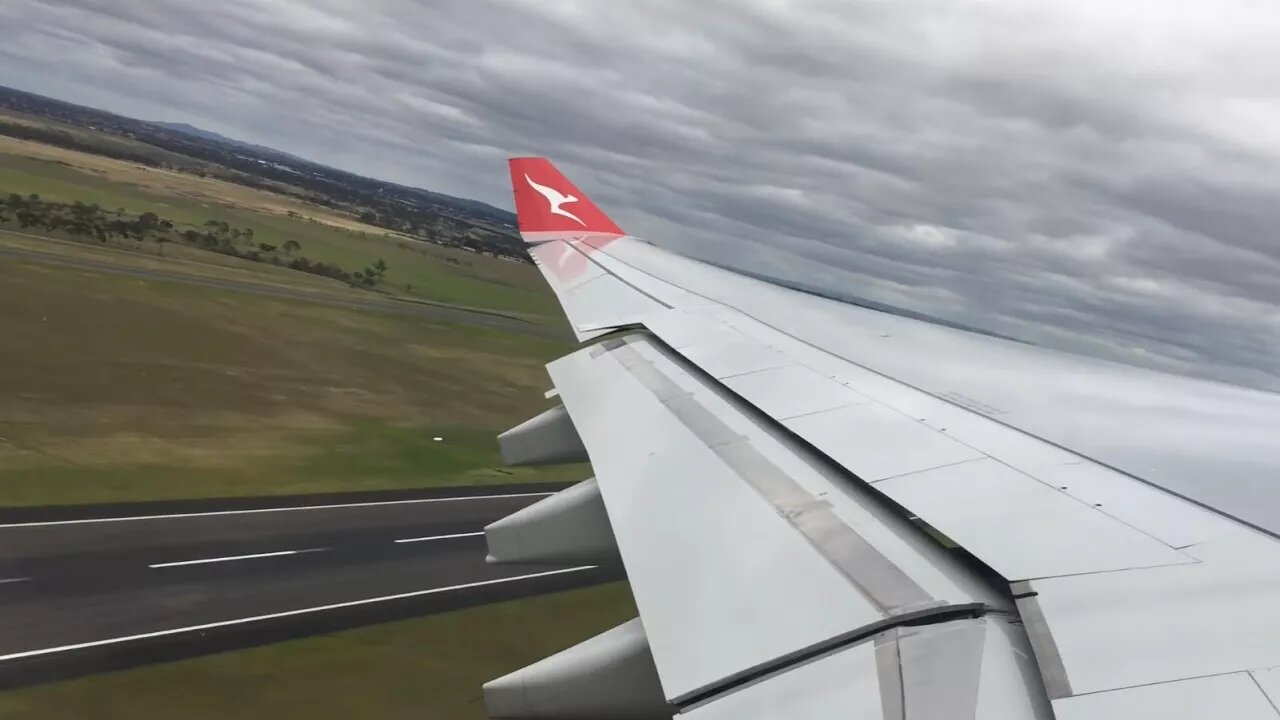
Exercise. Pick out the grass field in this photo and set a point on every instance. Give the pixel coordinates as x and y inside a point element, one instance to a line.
<point>116,388</point>
<point>430,667</point>
<point>183,262</point>
<point>417,269</point>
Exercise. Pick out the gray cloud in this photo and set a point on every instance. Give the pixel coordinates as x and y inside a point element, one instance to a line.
<point>1088,176</point>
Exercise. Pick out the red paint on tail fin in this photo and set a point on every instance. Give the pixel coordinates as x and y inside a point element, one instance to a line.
<point>546,202</point>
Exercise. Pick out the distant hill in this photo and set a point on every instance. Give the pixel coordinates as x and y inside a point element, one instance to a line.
<point>197,132</point>
<point>431,216</point>
<point>211,136</point>
<point>484,209</point>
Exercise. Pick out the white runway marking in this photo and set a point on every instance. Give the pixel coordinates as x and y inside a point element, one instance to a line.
<point>6,581</point>
<point>287,613</point>
<point>269,510</point>
<point>228,558</point>
<point>440,537</point>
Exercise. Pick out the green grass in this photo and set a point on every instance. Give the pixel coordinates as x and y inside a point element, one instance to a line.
<point>120,389</point>
<point>429,667</point>
<point>123,389</point>
<point>368,456</point>
<point>417,269</point>
<point>180,261</point>
<point>114,388</point>
<point>57,182</point>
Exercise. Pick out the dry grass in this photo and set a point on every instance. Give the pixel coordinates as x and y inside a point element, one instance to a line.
<point>417,269</point>
<point>116,388</point>
<point>182,185</point>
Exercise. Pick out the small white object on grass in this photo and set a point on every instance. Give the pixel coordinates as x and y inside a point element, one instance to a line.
<point>437,439</point>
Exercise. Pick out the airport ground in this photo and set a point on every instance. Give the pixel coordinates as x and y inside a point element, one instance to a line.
<point>218,385</point>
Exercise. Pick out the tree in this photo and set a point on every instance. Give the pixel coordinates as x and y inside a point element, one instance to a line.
<point>374,274</point>
<point>29,213</point>
<point>83,219</point>
<point>219,227</point>
<point>291,247</point>
<point>143,225</point>
<point>116,227</point>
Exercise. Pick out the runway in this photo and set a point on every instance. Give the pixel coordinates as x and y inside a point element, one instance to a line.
<point>106,587</point>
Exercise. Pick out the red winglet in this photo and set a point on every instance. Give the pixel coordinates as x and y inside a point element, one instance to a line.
<point>548,205</point>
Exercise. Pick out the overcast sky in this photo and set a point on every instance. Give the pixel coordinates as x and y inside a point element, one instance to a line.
<point>1094,175</point>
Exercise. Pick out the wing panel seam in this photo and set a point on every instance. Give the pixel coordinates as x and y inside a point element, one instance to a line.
<point>763,671</point>
<point>882,582</point>
<point>1159,488</point>
<point>619,278</point>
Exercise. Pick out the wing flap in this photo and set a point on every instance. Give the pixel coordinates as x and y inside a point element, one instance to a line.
<point>740,548</point>
<point>1014,522</point>
<point>791,391</point>
<point>1150,625</point>
<point>1023,528</point>
<point>978,668</point>
<point>1234,696</point>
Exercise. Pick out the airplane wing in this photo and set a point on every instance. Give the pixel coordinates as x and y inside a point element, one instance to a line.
<point>831,511</point>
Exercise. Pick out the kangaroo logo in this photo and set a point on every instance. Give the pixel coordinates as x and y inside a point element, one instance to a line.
<point>555,199</point>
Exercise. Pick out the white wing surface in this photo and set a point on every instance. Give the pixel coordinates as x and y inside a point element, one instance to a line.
<point>831,511</point>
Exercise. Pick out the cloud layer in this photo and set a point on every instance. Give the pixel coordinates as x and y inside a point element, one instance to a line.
<point>1094,176</point>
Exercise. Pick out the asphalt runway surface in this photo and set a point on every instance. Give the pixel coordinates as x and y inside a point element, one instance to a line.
<point>94,588</point>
